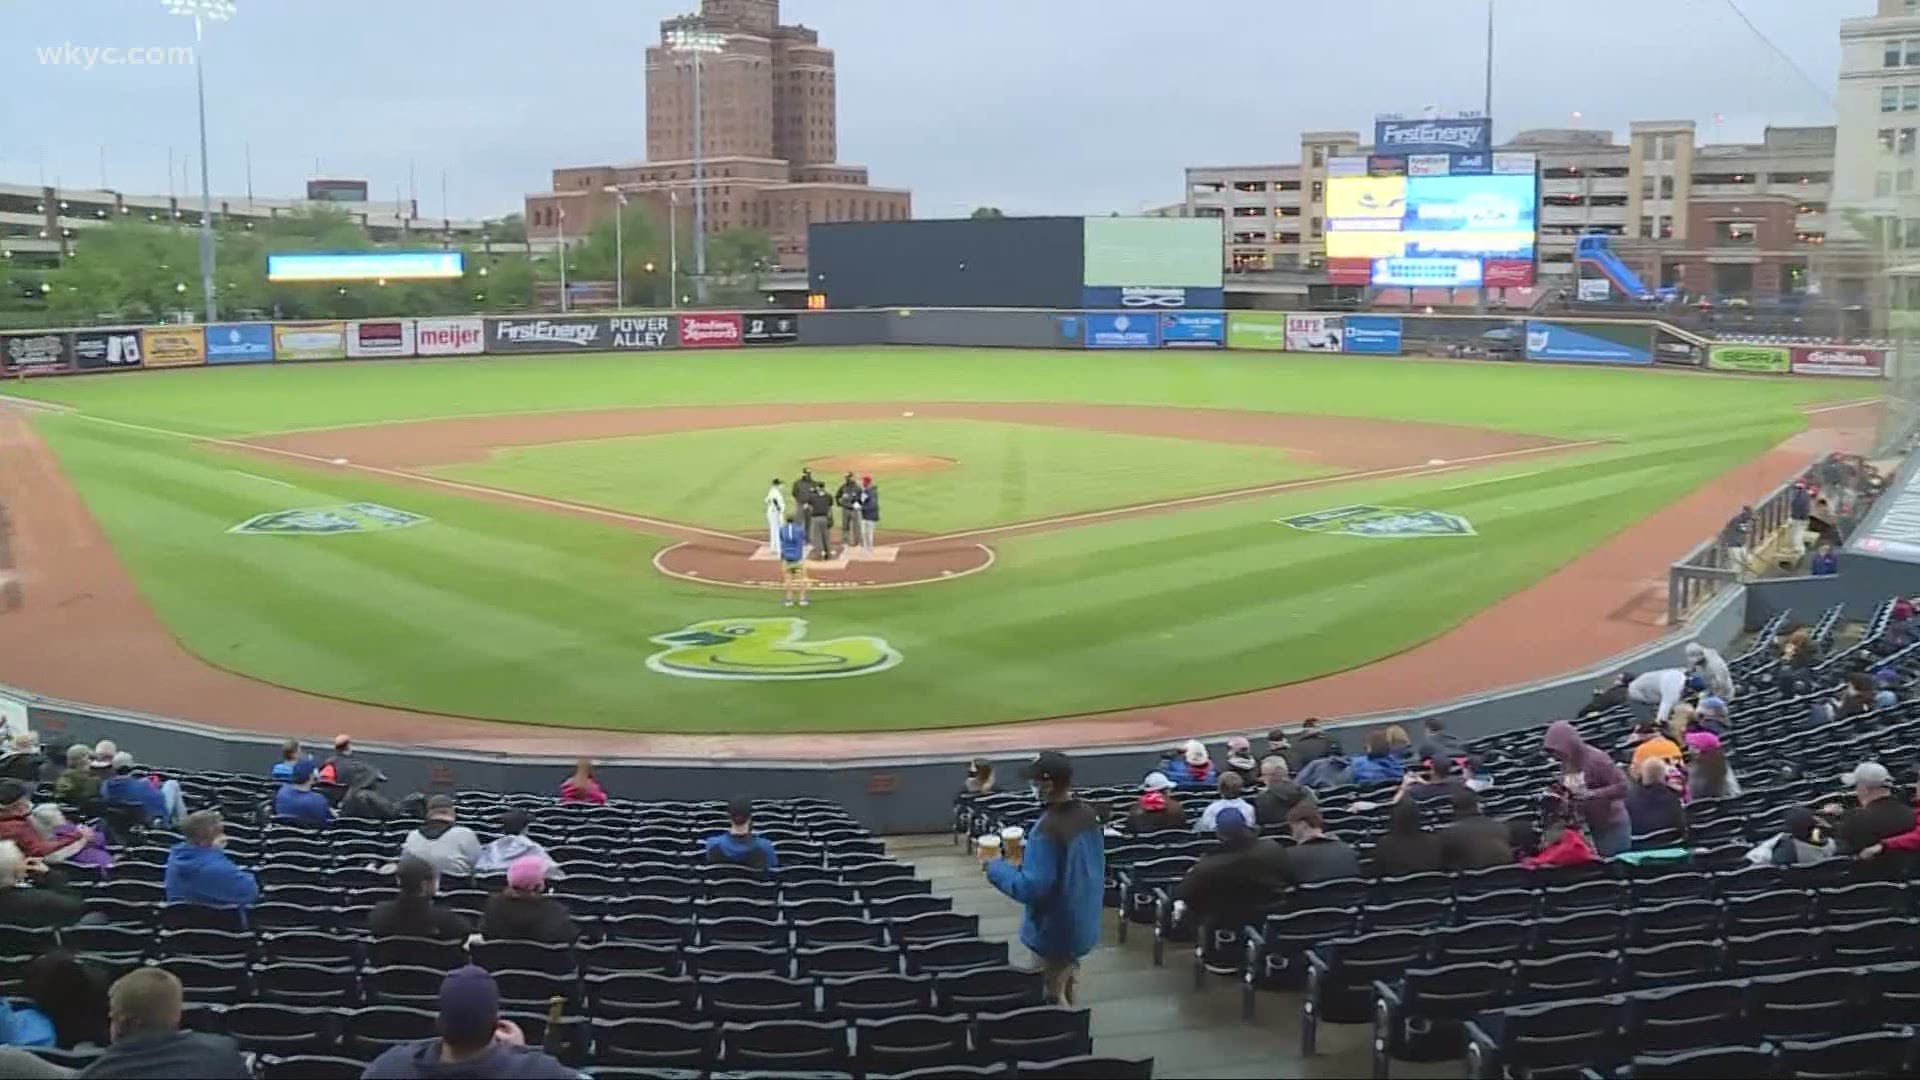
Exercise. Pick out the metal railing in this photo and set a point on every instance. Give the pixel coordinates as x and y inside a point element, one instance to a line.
<point>1701,574</point>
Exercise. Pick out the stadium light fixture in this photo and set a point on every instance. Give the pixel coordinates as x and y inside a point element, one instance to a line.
<point>203,12</point>
<point>698,43</point>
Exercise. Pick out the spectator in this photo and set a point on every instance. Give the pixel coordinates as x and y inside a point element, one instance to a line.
<point>70,995</point>
<point>514,843</point>
<point>79,784</point>
<point>581,787</point>
<point>1709,777</point>
<point>1312,744</point>
<point>1712,669</point>
<point>1193,765</point>
<point>1230,788</point>
<point>739,845</point>
<point>1710,716</point>
<point>1240,758</point>
<point>1278,746</point>
<point>1857,696</point>
<point>1794,844</point>
<point>1609,696</point>
<point>1437,742</point>
<point>1825,562</point>
<point>1379,765</point>
<point>16,824</point>
<point>451,849</point>
<point>1406,848</point>
<point>25,904</point>
<point>523,911</point>
<point>22,760</point>
<point>1799,508</point>
<point>53,827</point>
<point>144,1013</point>
<point>1734,536</point>
<point>1561,845</point>
<point>1652,804</point>
<point>412,912</point>
<point>1886,692</point>
<point>1436,778</point>
<point>1398,743</point>
<point>1653,695</point>
<point>1594,785</point>
<point>1315,856</point>
<point>297,801</point>
<point>1878,817</point>
<point>199,871</point>
<point>1278,793</point>
<point>1061,879</point>
<point>1799,655</point>
<point>979,777</point>
<point>290,756</point>
<point>475,1040</point>
<point>158,803</point>
<point>346,770</point>
<point>1650,742</point>
<point>1473,841</point>
<point>24,1025</point>
<point>1233,884</point>
<point>1821,522</point>
<point>1159,809</point>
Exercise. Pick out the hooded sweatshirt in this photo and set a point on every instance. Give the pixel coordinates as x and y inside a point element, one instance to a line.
<point>1605,786</point>
<point>205,875</point>
<point>502,850</point>
<point>1713,667</point>
<point>451,849</point>
<point>1060,882</point>
<point>500,1062</point>
<point>1662,687</point>
<point>749,850</point>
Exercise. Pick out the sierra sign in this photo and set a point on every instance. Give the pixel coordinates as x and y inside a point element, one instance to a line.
<point>710,331</point>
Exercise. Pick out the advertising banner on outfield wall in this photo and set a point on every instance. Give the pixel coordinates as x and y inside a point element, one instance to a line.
<point>771,329</point>
<point>239,343</point>
<point>310,341</point>
<point>100,350</point>
<point>1193,329</point>
<point>559,333</point>
<point>711,330</point>
<point>449,337</point>
<point>642,333</point>
<point>1152,297</point>
<point>1313,333</point>
<point>380,337</point>
<point>1591,342</point>
<point>1834,360</point>
<point>42,352</point>
<point>1106,330</point>
<point>1771,359</point>
<point>166,346</point>
<point>1371,335</point>
<point>1257,330</point>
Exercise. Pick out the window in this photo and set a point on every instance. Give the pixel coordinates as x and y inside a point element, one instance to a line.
<point>1249,211</point>
<point>1885,135</point>
<point>1666,187</point>
<point>1892,55</point>
<point>1250,185</point>
<point>1646,187</point>
<point>1286,211</point>
<point>1903,181</point>
<point>1319,156</point>
<point>1314,228</point>
<point>1666,227</point>
<point>1734,232</point>
<point>1289,237</point>
<point>1909,98</point>
<point>1903,142</point>
<point>1646,227</point>
<point>1889,99</point>
<point>1667,144</point>
<point>1883,183</point>
<point>1317,192</point>
<point>1911,227</point>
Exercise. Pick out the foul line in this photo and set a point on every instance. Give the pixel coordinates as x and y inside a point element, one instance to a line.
<point>1842,407</point>
<point>1422,469</point>
<point>262,479</point>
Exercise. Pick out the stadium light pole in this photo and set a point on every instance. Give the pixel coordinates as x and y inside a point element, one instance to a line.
<point>698,42</point>
<point>203,12</point>
<point>619,249</point>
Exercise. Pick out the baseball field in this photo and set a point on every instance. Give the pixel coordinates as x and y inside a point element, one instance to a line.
<point>487,538</point>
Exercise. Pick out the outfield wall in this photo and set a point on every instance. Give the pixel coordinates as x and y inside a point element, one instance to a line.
<point>1633,343</point>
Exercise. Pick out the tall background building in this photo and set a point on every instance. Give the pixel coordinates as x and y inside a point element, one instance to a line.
<point>769,141</point>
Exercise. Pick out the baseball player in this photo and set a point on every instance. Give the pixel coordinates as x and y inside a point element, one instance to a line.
<point>776,514</point>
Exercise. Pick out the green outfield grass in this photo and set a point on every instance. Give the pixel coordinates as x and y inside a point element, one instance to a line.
<point>499,611</point>
<point>1001,472</point>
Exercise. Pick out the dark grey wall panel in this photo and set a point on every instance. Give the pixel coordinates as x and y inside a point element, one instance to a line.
<point>1002,262</point>
<point>993,329</point>
<point>844,327</point>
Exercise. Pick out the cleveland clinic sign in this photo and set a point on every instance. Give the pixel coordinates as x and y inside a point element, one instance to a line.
<point>1395,135</point>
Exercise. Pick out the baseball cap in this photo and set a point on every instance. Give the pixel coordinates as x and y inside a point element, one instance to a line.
<point>527,872</point>
<point>469,1004</point>
<point>1698,740</point>
<point>303,770</point>
<point>1051,765</point>
<point>1277,737</point>
<point>1886,676</point>
<point>123,762</point>
<point>1695,682</point>
<point>12,791</point>
<point>1156,781</point>
<point>439,802</point>
<point>1865,774</point>
<point>1230,821</point>
<point>1713,704</point>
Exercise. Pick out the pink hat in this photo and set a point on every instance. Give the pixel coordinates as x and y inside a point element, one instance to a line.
<point>526,873</point>
<point>1698,740</point>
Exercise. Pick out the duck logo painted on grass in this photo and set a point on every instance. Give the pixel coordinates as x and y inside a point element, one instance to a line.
<point>327,520</point>
<point>766,650</point>
<point>1378,521</point>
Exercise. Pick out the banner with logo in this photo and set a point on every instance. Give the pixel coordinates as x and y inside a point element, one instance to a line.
<point>1591,342</point>
<point>239,343</point>
<point>449,337</point>
<point>1836,360</point>
<point>40,353</point>
<point>1771,359</point>
<point>1193,329</point>
<point>100,350</point>
<point>1257,330</point>
<point>641,333</point>
<point>771,329</point>
<point>166,346</point>
<point>1371,335</point>
<point>1313,333</point>
<point>310,341</point>
<point>548,334</point>
<point>1594,290</point>
<point>1432,135</point>
<point>1122,331</point>
<point>711,331</point>
<point>1152,297</point>
<point>380,337</point>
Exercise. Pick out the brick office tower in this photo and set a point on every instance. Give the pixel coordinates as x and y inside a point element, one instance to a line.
<point>768,139</point>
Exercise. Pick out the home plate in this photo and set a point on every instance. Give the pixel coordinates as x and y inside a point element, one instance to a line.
<point>1436,461</point>
<point>885,553</point>
<point>339,461</point>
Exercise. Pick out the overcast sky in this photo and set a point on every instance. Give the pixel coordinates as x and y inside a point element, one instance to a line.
<point>1035,106</point>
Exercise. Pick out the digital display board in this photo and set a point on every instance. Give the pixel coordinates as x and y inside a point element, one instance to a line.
<point>1432,228</point>
<point>1153,252</point>
<point>366,266</point>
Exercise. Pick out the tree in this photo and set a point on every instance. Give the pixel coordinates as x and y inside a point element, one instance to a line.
<point>735,260</point>
<point>983,212</point>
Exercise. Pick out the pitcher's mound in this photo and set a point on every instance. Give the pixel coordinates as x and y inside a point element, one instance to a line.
<point>880,463</point>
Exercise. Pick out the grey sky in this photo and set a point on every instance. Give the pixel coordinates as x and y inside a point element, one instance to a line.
<point>1037,106</point>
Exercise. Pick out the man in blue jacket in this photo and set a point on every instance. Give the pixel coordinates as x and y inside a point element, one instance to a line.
<point>199,871</point>
<point>297,801</point>
<point>740,845</point>
<point>1060,879</point>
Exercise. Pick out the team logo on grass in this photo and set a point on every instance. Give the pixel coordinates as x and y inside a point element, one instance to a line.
<point>1393,521</point>
<point>324,520</point>
<point>766,650</point>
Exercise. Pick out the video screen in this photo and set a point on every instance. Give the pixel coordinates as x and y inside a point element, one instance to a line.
<point>366,266</point>
<point>1432,230</point>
